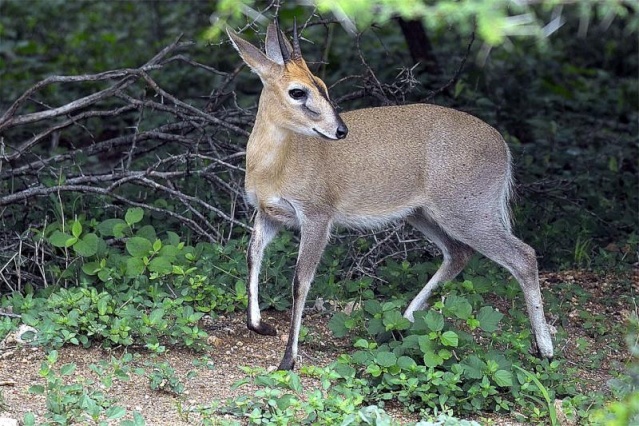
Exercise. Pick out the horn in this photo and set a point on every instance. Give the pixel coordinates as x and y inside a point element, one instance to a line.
<point>286,56</point>
<point>297,53</point>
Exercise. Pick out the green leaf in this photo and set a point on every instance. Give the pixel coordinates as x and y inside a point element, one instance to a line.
<point>134,267</point>
<point>157,245</point>
<point>161,265</point>
<point>36,389</point>
<point>156,315</point>
<point>434,321</point>
<point>87,246</point>
<point>431,359</point>
<point>450,338</point>
<point>386,359</point>
<point>148,232</point>
<point>503,378</point>
<point>337,324</point>
<point>406,362</point>
<point>426,345</point>
<point>133,215</point>
<point>173,238</point>
<point>394,320</point>
<point>28,419</point>
<point>374,370</point>
<point>112,228</point>
<point>76,229</point>
<point>473,367</point>
<point>372,306</point>
<point>91,268</point>
<point>458,306</point>
<point>59,239</point>
<point>115,412</point>
<point>489,318</point>
<point>67,369</point>
<point>138,247</point>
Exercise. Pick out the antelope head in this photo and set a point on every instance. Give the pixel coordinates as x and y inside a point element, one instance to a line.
<point>292,97</point>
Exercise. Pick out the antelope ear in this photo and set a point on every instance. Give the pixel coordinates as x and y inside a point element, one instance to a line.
<point>259,63</point>
<point>273,47</point>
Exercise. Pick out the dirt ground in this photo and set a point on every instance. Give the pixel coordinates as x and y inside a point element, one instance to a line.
<point>233,346</point>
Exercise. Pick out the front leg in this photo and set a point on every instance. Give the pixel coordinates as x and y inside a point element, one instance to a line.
<point>313,239</point>
<point>264,230</point>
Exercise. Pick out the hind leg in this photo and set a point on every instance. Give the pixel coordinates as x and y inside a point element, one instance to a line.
<point>456,256</point>
<point>496,242</point>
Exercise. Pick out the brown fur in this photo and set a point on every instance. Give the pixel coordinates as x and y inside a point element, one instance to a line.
<point>445,171</point>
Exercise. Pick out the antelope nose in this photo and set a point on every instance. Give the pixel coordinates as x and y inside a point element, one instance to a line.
<point>342,131</point>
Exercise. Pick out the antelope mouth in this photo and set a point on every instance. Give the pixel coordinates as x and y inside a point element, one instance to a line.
<point>323,135</point>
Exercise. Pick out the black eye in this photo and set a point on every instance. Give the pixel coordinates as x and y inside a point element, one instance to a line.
<point>297,94</point>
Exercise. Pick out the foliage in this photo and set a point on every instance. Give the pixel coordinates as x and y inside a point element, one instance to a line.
<point>495,20</point>
<point>79,401</point>
<point>625,410</point>
<point>132,285</point>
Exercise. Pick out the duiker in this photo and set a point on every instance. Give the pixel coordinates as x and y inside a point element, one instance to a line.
<point>444,171</point>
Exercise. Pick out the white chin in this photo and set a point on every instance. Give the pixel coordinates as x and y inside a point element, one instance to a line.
<point>316,132</point>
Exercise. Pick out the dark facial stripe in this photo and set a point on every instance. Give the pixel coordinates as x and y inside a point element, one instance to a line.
<point>319,87</point>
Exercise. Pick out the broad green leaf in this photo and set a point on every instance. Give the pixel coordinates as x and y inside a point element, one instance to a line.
<point>450,338</point>
<point>161,265</point>
<point>148,232</point>
<point>458,306</point>
<point>157,245</point>
<point>394,320</point>
<point>91,268</point>
<point>138,247</point>
<point>134,267</point>
<point>473,367</point>
<point>434,321</point>
<point>361,344</point>
<point>133,215</point>
<point>36,389</point>
<point>156,315</point>
<point>503,378</point>
<point>406,362</point>
<point>29,418</point>
<point>489,318</point>
<point>173,238</point>
<point>87,246</point>
<point>67,369</point>
<point>372,306</point>
<point>115,412</point>
<point>431,359</point>
<point>426,345</point>
<point>375,327</point>
<point>386,359</point>
<point>112,228</point>
<point>374,370</point>
<point>59,239</point>
<point>76,229</point>
<point>337,324</point>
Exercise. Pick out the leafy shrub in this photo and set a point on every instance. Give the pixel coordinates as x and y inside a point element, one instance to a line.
<point>132,285</point>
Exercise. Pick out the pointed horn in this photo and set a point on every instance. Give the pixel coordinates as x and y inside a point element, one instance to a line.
<point>286,56</point>
<point>297,53</point>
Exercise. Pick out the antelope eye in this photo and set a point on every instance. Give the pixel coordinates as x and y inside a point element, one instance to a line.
<point>297,94</point>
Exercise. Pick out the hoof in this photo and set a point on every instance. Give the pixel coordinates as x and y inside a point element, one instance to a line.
<point>263,328</point>
<point>286,364</point>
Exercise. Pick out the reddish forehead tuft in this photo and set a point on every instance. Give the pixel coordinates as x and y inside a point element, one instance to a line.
<point>298,70</point>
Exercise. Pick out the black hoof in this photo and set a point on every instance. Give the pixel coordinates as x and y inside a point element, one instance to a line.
<point>287,364</point>
<point>263,328</point>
